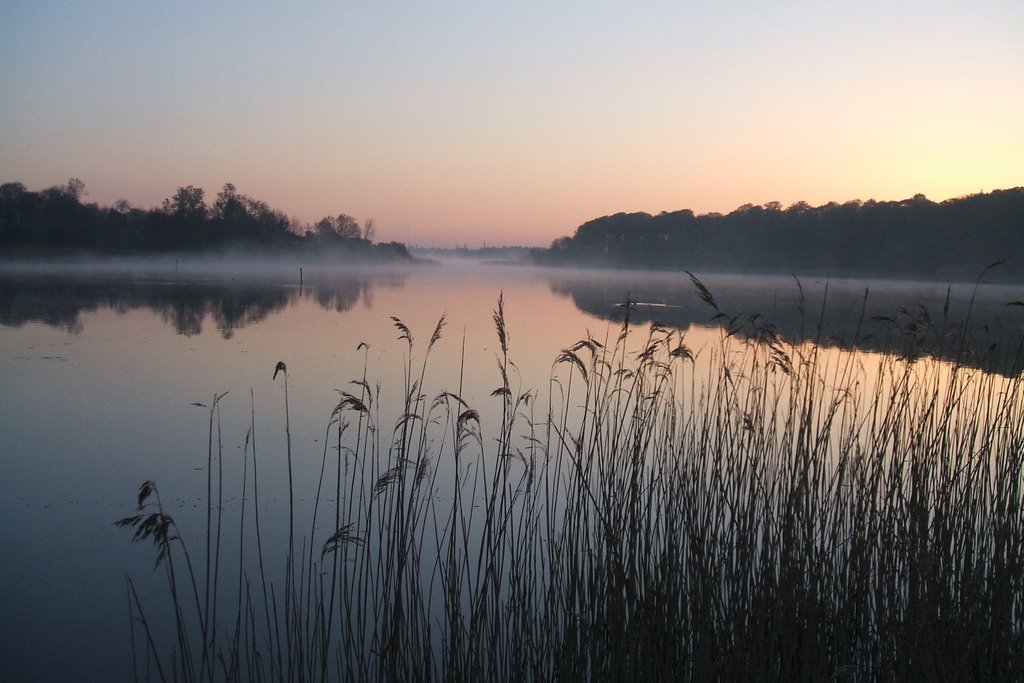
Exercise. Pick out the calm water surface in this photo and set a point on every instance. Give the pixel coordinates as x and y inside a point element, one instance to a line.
<point>100,371</point>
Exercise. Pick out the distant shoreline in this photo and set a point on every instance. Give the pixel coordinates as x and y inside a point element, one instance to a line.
<point>957,239</point>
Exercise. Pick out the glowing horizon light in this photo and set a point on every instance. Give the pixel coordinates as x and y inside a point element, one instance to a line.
<point>513,125</point>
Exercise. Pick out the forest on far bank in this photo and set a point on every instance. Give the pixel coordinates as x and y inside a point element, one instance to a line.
<point>956,238</point>
<point>57,220</point>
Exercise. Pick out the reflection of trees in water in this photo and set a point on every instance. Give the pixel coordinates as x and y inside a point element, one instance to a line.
<point>183,304</point>
<point>230,307</point>
<point>56,305</point>
<point>343,293</point>
<point>338,299</point>
<point>184,316</point>
<point>912,319</point>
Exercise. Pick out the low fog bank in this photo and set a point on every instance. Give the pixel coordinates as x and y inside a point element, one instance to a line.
<point>911,317</point>
<point>776,296</point>
<point>231,264</point>
<point>487,255</point>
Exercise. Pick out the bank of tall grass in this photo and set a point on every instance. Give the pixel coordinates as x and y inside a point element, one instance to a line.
<point>747,510</point>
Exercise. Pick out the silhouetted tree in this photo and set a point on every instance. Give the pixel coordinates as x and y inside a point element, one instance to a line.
<point>16,209</point>
<point>75,189</point>
<point>228,206</point>
<point>342,227</point>
<point>63,219</point>
<point>912,236</point>
<point>187,204</point>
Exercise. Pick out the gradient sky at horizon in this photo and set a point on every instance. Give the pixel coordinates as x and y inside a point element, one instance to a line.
<point>512,123</point>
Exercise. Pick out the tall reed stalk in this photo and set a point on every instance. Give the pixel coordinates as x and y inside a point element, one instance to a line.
<point>746,510</point>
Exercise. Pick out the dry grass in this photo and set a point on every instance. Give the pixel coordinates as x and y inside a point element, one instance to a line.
<point>750,511</point>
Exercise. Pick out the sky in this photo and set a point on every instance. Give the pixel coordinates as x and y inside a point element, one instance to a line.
<point>512,123</point>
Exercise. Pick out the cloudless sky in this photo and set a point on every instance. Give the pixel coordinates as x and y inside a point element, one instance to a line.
<point>512,122</point>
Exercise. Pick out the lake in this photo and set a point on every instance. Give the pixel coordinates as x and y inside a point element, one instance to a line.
<point>102,368</point>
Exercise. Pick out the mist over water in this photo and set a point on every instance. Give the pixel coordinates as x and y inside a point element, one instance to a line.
<point>102,362</point>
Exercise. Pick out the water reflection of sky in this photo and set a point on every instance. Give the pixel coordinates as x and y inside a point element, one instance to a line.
<point>100,375</point>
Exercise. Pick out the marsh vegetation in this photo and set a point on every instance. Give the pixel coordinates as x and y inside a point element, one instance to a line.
<point>747,510</point>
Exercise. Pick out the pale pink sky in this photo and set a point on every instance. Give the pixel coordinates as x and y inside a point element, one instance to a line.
<point>512,123</point>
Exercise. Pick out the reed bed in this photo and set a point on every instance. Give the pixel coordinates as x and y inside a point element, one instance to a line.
<point>746,511</point>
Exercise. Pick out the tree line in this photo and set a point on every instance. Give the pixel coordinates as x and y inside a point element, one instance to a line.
<point>58,218</point>
<point>916,236</point>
